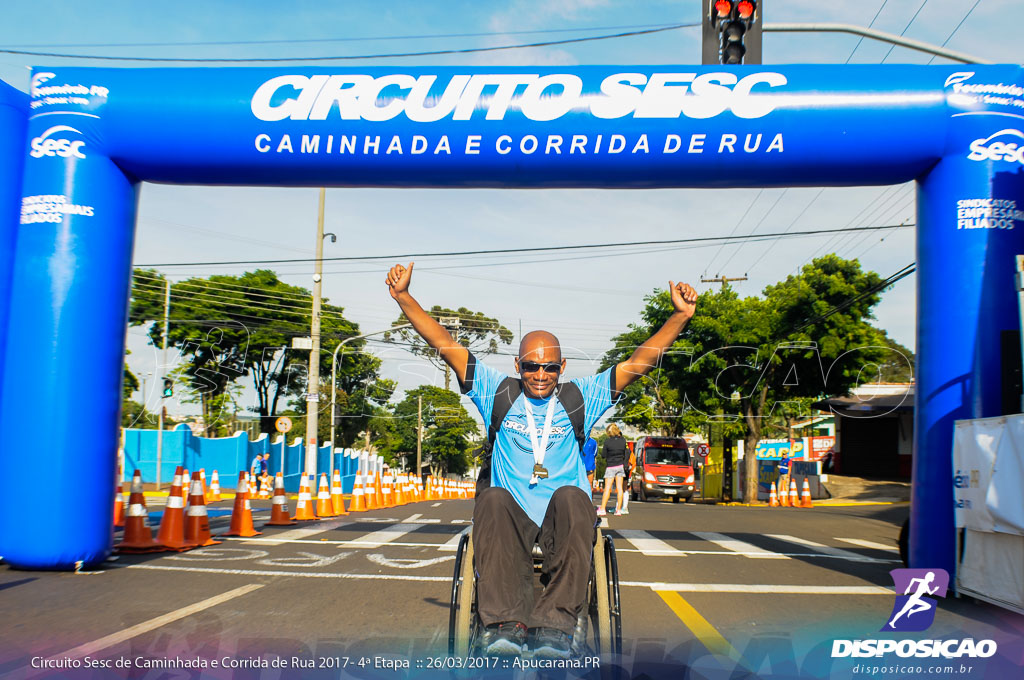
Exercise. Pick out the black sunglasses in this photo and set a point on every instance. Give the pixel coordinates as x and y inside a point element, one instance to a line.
<point>533,367</point>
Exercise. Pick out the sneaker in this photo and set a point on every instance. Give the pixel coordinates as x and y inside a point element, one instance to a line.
<point>618,512</point>
<point>625,511</point>
<point>550,643</point>
<point>505,639</point>
<point>601,512</point>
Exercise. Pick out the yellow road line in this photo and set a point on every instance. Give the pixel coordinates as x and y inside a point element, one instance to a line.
<point>698,625</point>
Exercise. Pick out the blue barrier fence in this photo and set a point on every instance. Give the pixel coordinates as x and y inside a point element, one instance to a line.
<point>228,455</point>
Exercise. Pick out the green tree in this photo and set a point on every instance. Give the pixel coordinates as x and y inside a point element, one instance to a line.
<point>473,330</point>
<point>448,431</point>
<point>227,327</point>
<point>808,336</point>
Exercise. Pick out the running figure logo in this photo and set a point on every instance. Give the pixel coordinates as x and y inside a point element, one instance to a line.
<point>913,610</point>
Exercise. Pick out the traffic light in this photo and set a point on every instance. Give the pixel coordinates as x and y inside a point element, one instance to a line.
<point>168,388</point>
<point>732,32</point>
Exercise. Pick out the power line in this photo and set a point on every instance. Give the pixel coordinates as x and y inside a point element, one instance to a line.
<point>461,253</point>
<point>861,39</point>
<point>392,55</point>
<point>950,36</point>
<point>306,41</point>
<point>905,29</point>
<point>738,223</point>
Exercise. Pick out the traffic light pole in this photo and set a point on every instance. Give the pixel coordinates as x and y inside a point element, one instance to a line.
<point>163,361</point>
<point>875,35</point>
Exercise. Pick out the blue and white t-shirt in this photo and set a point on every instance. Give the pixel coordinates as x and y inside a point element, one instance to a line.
<point>512,458</point>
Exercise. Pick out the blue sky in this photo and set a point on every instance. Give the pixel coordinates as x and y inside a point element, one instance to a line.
<point>584,301</point>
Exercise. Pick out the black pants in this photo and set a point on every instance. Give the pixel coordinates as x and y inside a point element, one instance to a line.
<point>503,539</point>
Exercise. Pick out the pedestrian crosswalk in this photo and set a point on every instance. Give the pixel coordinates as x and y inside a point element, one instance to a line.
<point>444,536</point>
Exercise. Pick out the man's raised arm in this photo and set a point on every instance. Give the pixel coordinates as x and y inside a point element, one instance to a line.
<point>647,355</point>
<point>435,335</point>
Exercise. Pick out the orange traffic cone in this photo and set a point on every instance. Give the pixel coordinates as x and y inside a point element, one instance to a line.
<point>304,508</point>
<point>370,492</point>
<point>119,506</point>
<point>337,499</point>
<point>805,496</point>
<point>241,515</point>
<point>138,537</point>
<point>773,498</point>
<point>378,490</point>
<point>279,516</point>
<point>794,497</point>
<point>783,496</point>
<point>172,524</point>
<point>324,507</point>
<point>197,522</point>
<point>202,480</point>
<point>215,487</point>
<point>186,486</point>
<point>358,504</point>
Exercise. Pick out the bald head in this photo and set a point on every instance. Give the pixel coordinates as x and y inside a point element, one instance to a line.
<point>540,346</point>
<point>538,352</point>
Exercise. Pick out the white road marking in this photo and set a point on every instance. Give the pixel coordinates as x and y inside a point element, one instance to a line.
<point>838,552</point>
<point>435,505</point>
<point>215,554</point>
<point>90,648</point>
<point>398,563</point>
<point>869,544</point>
<point>760,589</point>
<point>413,518</point>
<point>452,544</point>
<point>304,574</point>
<point>766,589</point>
<point>304,532</point>
<point>304,559</point>
<point>462,521</point>
<point>376,538</point>
<point>646,543</point>
<point>746,549</point>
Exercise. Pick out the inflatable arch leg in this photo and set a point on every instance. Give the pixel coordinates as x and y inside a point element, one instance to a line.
<point>966,300</point>
<point>62,372</point>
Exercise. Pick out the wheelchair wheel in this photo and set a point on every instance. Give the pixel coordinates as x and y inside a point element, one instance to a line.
<point>615,607</point>
<point>600,607</point>
<point>462,618</point>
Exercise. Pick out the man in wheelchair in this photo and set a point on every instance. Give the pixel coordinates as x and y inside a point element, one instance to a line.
<point>536,485</point>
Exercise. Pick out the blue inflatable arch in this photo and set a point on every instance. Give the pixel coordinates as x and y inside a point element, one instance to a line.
<point>73,154</point>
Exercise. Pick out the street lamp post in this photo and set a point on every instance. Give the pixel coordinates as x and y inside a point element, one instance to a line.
<point>334,376</point>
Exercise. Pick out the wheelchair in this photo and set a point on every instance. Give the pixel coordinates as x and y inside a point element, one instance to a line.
<point>599,622</point>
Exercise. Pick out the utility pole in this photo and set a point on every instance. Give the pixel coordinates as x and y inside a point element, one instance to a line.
<point>313,383</point>
<point>454,323</point>
<point>419,435</point>
<point>163,360</point>
<point>723,280</point>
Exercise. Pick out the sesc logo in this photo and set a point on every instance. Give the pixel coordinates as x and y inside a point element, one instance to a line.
<point>992,148</point>
<point>45,145</point>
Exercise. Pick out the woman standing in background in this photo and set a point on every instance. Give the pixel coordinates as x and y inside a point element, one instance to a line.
<point>615,452</point>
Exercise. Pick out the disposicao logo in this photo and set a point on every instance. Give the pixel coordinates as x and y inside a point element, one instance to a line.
<point>914,611</point>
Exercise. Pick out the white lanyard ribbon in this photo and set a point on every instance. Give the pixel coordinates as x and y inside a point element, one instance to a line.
<point>539,448</point>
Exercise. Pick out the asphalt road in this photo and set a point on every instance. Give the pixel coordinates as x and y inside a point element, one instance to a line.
<point>713,588</point>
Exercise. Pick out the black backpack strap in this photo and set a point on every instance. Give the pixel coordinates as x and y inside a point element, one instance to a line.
<point>571,397</point>
<point>508,391</point>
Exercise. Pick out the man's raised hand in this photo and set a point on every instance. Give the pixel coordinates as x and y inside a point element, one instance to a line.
<point>398,279</point>
<point>684,298</point>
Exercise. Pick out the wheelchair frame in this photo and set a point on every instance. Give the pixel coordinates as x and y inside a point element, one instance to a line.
<point>598,624</point>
